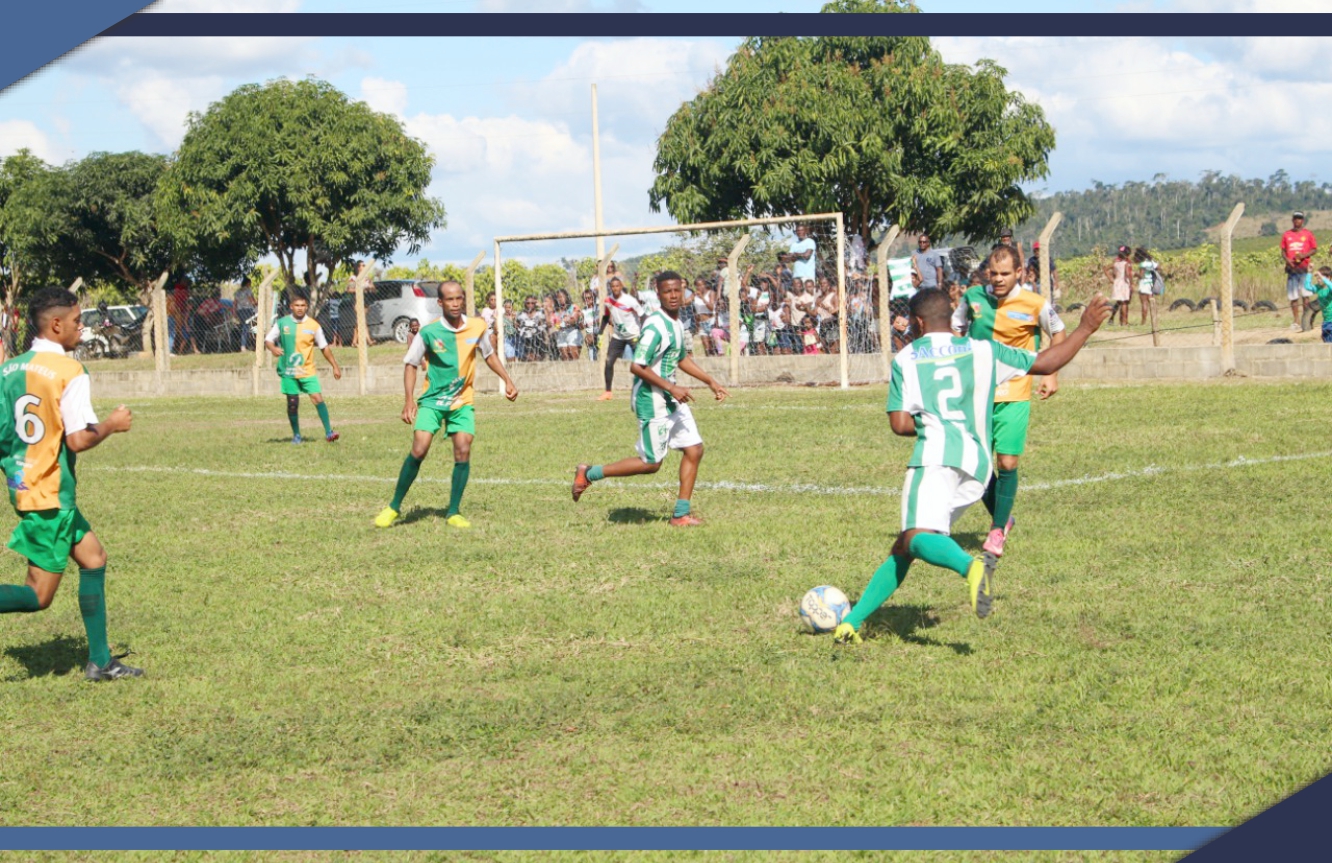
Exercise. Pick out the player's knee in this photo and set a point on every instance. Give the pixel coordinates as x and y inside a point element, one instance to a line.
<point>653,466</point>
<point>1006,462</point>
<point>94,560</point>
<point>293,405</point>
<point>462,454</point>
<point>317,398</point>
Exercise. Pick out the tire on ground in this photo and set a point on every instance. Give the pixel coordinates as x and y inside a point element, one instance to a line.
<point>1265,305</point>
<point>1183,303</point>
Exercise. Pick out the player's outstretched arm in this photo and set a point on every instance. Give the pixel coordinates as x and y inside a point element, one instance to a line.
<point>691,368</point>
<point>87,438</point>
<point>510,389</point>
<point>1055,357</point>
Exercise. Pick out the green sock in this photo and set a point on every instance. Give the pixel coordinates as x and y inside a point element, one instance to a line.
<point>322,410</point>
<point>461,471</point>
<point>295,420</point>
<point>18,597</point>
<point>92,605</point>
<point>411,466</point>
<point>595,473</point>
<point>681,507</point>
<point>940,550</point>
<point>887,578</point>
<point>1005,492</point>
<point>988,497</point>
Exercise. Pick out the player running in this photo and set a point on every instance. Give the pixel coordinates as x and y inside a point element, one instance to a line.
<point>1008,313</point>
<point>942,393</point>
<point>293,340</point>
<point>49,397</point>
<point>449,347</point>
<point>662,407</point>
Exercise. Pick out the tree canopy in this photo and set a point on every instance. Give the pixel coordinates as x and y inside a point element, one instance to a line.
<point>294,166</point>
<point>879,128</point>
<point>15,172</point>
<point>92,219</point>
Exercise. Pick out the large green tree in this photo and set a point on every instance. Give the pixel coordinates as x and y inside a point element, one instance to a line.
<point>879,128</point>
<point>92,219</point>
<point>16,171</point>
<point>295,166</point>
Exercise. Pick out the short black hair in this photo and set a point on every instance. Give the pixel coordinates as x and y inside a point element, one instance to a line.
<point>47,302</point>
<point>439,292</point>
<point>931,305</point>
<point>298,294</point>
<point>1009,252</point>
<point>669,276</point>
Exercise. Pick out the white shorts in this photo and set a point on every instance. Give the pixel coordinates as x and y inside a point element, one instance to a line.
<point>1295,286</point>
<point>934,496</point>
<point>1145,290</point>
<point>676,431</point>
<point>568,339</point>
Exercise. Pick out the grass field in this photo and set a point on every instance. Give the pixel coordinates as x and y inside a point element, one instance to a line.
<point>1157,655</point>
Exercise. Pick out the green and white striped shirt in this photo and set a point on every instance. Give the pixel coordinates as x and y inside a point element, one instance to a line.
<point>661,347</point>
<point>948,383</point>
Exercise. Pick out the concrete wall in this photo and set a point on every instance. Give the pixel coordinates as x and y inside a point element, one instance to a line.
<point>1105,364</point>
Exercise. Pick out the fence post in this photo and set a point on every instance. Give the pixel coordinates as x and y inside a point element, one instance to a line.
<point>1228,292</point>
<point>1216,324</point>
<point>162,352</point>
<point>733,304</point>
<point>263,313</point>
<point>842,353</point>
<point>885,292</point>
<point>1043,254</point>
<point>363,329</point>
<point>470,279</point>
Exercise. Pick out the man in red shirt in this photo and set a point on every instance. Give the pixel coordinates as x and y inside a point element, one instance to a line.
<point>1297,247</point>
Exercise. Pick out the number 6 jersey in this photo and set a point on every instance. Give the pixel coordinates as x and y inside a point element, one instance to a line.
<point>948,383</point>
<point>46,396</point>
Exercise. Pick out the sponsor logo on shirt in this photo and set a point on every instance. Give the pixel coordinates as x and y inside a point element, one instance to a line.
<point>1019,316</point>
<point>931,352</point>
<point>439,344</point>
<point>471,341</point>
<point>976,309</point>
<point>17,484</point>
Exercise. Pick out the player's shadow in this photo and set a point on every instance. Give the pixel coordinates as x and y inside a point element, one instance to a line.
<point>57,656</point>
<point>423,512</point>
<point>906,622</point>
<point>634,515</point>
<point>971,542</point>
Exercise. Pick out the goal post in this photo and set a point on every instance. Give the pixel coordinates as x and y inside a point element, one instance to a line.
<point>835,221</point>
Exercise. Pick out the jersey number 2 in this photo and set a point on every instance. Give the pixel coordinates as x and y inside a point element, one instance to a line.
<point>28,427</point>
<point>952,392</point>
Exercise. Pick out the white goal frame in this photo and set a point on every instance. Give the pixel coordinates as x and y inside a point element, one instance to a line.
<point>732,277</point>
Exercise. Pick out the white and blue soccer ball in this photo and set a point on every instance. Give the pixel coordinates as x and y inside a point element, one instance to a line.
<point>823,608</point>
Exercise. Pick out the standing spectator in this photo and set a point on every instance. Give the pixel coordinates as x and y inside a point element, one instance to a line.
<point>801,254</point>
<point>569,336</point>
<point>856,255</point>
<point>809,336</point>
<point>828,311</point>
<point>803,302</point>
<point>244,303</point>
<point>510,331</point>
<point>553,319</point>
<point>703,313</point>
<point>647,297</point>
<point>1034,264</point>
<point>624,315</point>
<point>1006,239</point>
<point>779,318</point>
<point>760,299</point>
<point>1297,247</point>
<point>335,316</point>
<point>488,314</point>
<point>1120,274</point>
<point>179,314</point>
<point>530,326</point>
<point>928,262</point>
<point>1147,268</point>
<point>857,318</point>
<point>721,323</point>
<point>588,323</point>
<point>595,284</point>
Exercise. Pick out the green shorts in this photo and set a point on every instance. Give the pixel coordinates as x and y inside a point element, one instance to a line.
<point>296,386</point>
<point>45,536</point>
<point>1010,427</point>
<point>431,420</point>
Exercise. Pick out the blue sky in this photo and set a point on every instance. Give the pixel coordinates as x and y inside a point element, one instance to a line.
<point>509,119</point>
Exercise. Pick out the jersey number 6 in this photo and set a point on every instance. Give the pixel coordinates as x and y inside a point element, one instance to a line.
<point>28,427</point>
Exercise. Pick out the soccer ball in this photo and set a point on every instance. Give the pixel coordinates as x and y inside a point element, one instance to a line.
<point>823,608</point>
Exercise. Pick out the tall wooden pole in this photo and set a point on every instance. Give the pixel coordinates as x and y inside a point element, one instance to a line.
<point>471,278</point>
<point>162,355</point>
<point>885,293</point>
<point>362,329</point>
<point>1228,292</point>
<point>596,176</point>
<point>263,313</point>
<point>1044,254</point>
<point>499,314</point>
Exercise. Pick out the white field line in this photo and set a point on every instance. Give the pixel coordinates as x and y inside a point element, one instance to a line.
<point>723,485</point>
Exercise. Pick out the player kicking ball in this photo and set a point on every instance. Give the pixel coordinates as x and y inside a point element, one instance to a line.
<point>662,406</point>
<point>293,340</point>
<point>942,393</point>
<point>48,395</point>
<point>449,347</point>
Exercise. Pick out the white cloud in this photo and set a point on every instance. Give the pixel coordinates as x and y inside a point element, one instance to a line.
<point>162,103</point>
<point>256,58</point>
<point>17,134</point>
<point>225,6</point>
<point>390,97</point>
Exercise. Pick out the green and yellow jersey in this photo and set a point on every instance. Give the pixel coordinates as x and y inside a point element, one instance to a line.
<point>46,395</point>
<point>298,340</point>
<point>1016,321</point>
<point>450,357</point>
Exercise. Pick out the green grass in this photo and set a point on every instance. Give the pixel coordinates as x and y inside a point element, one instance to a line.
<point>1157,655</point>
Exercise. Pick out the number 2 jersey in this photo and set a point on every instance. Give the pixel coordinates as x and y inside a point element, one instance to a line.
<point>298,340</point>
<point>46,396</point>
<point>948,383</point>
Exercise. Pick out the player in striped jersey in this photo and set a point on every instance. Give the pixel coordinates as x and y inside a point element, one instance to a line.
<point>47,394</point>
<point>942,393</point>
<point>1005,312</point>
<point>661,405</point>
<point>293,340</point>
